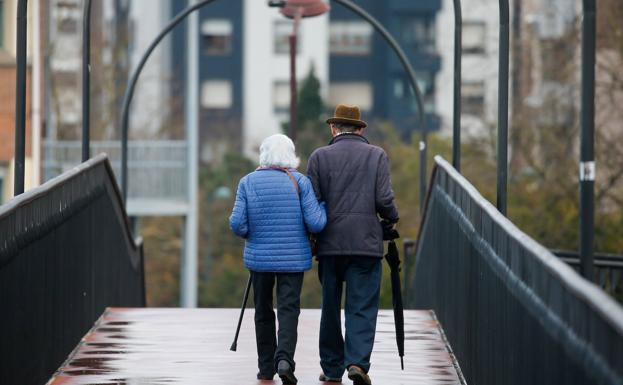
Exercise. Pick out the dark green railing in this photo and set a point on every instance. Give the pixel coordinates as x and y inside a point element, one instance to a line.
<point>513,312</point>
<point>66,253</point>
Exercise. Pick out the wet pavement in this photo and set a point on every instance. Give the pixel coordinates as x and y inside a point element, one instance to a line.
<point>161,346</point>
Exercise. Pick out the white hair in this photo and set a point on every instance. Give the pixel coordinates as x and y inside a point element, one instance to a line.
<point>278,151</point>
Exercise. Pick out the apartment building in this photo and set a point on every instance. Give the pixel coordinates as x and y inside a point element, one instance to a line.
<point>244,67</point>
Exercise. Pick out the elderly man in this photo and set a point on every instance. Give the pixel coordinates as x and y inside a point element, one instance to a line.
<point>352,177</point>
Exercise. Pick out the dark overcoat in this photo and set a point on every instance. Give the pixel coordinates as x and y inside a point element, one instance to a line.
<point>353,178</point>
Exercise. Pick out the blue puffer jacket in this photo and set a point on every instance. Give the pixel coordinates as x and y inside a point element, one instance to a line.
<point>274,220</point>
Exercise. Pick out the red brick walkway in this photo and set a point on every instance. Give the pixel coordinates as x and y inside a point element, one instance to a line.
<point>191,346</point>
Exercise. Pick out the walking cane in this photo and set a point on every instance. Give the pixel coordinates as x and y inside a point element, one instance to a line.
<point>234,344</point>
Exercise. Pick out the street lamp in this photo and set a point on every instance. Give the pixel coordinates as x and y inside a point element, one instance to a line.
<point>296,10</point>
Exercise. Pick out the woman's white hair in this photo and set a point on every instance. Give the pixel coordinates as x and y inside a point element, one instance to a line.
<point>278,151</point>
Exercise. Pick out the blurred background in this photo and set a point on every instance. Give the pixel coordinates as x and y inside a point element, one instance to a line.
<point>244,96</point>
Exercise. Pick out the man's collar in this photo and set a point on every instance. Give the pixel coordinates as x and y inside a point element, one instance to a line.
<point>348,135</point>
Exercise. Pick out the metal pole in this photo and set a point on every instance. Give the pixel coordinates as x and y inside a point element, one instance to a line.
<point>456,114</point>
<point>423,152</point>
<point>129,93</point>
<point>502,177</point>
<point>189,263</point>
<point>587,145</point>
<point>20,98</point>
<point>86,79</point>
<point>35,86</point>
<point>412,78</point>
<point>293,86</point>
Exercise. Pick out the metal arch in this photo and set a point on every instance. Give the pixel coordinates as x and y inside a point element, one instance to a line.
<point>502,152</point>
<point>129,93</point>
<point>86,80</point>
<point>395,46</point>
<point>456,114</point>
<point>20,98</point>
<point>412,78</point>
<point>587,142</point>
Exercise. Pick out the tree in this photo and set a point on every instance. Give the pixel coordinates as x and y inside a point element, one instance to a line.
<point>312,129</point>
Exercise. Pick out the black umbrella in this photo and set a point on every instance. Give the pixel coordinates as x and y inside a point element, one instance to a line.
<point>393,259</point>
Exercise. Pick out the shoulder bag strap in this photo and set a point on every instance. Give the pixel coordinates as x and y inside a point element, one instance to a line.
<point>296,185</point>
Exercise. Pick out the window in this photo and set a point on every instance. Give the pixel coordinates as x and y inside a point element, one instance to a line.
<point>425,82</point>
<point>216,36</point>
<point>282,31</point>
<point>281,96</point>
<point>474,37</point>
<point>473,98</point>
<point>354,93</point>
<point>67,18</point>
<point>418,32</point>
<point>350,38</point>
<point>216,94</point>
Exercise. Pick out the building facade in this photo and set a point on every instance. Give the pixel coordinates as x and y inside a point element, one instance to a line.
<point>365,71</point>
<point>244,67</point>
<point>479,88</point>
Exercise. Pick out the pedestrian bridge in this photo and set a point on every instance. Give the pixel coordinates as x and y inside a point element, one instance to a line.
<point>72,288</point>
<point>190,346</point>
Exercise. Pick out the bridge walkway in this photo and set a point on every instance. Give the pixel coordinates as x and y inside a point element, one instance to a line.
<point>191,346</point>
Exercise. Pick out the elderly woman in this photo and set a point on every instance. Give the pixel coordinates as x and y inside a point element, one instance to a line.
<point>275,209</point>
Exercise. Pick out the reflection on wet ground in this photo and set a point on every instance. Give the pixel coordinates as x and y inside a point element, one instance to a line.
<point>191,346</point>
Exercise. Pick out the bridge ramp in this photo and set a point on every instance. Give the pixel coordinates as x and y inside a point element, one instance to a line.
<point>191,346</point>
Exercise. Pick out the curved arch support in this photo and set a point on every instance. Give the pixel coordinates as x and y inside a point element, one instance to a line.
<point>412,79</point>
<point>129,93</point>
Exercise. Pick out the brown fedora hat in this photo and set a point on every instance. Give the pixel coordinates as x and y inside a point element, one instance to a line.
<point>347,115</point>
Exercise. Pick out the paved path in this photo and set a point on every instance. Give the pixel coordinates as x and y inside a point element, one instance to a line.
<point>191,346</point>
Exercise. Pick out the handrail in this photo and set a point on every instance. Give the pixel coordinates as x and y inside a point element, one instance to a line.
<point>586,290</point>
<point>487,280</point>
<point>81,175</point>
<point>66,253</point>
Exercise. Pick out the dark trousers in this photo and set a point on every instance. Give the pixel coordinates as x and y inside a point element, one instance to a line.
<point>362,276</point>
<point>270,349</point>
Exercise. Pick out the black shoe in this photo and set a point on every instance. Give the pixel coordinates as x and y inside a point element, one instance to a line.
<point>267,377</point>
<point>285,373</point>
<point>325,378</point>
<point>358,376</point>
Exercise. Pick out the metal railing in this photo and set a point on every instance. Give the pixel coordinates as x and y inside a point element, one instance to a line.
<point>157,168</point>
<point>513,312</point>
<point>607,270</point>
<point>66,253</point>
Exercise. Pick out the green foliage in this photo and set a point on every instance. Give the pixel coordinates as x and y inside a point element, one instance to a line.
<point>163,246</point>
<point>312,129</point>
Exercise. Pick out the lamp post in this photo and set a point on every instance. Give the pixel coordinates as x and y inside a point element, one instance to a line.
<point>587,142</point>
<point>296,10</point>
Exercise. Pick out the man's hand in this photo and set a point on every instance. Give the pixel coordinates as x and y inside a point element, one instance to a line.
<point>389,230</point>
